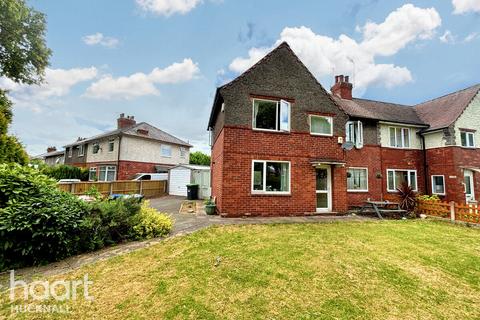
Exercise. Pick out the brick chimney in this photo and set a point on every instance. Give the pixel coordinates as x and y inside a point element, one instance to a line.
<point>125,122</point>
<point>51,149</point>
<point>342,87</point>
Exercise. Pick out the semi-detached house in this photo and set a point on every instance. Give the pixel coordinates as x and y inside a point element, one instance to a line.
<point>279,143</point>
<point>130,149</point>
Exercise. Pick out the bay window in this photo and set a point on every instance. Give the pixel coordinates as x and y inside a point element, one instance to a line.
<point>357,179</point>
<point>395,178</point>
<point>399,137</point>
<point>271,115</point>
<point>270,177</point>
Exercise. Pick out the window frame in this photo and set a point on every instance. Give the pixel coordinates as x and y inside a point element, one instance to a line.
<point>467,140</point>
<point>162,148</point>
<point>82,148</point>
<point>183,152</point>
<point>358,190</point>
<point>264,192</point>
<point>107,170</point>
<point>402,135</point>
<point>278,112</point>
<point>408,179</point>
<point>358,133</point>
<point>93,147</point>
<point>90,170</point>
<point>444,184</point>
<point>329,119</point>
<point>111,143</point>
<point>70,151</point>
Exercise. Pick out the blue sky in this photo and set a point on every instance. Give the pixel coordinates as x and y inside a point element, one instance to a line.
<point>161,60</point>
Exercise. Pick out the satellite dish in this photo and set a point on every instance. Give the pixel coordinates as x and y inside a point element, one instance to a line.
<point>348,146</point>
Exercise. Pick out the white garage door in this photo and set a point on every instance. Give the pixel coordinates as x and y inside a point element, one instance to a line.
<point>179,178</point>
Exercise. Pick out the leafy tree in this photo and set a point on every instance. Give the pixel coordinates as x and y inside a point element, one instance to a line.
<point>23,59</point>
<point>200,158</point>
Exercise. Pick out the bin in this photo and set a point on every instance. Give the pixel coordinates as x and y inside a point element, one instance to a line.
<point>192,191</point>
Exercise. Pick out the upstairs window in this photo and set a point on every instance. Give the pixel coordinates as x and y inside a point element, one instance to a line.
<point>183,152</point>
<point>95,148</point>
<point>399,137</point>
<point>81,150</point>
<point>468,139</point>
<point>354,133</point>
<point>70,152</point>
<point>111,145</point>
<point>320,125</point>
<point>271,115</point>
<point>166,151</point>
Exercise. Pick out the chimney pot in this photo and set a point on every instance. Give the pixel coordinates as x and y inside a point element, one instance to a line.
<point>342,87</point>
<point>51,149</point>
<point>123,122</point>
<point>347,78</point>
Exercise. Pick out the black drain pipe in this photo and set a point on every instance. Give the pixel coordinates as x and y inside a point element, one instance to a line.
<point>425,165</point>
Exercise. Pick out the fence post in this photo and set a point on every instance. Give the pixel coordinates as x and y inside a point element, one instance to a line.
<point>111,187</point>
<point>452,211</point>
<point>141,187</point>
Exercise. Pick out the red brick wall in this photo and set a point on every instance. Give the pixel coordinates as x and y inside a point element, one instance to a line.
<point>450,161</point>
<point>232,187</point>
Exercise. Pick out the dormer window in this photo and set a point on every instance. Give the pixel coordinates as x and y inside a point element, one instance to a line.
<point>467,139</point>
<point>354,133</point>
<point>399,137</point>
<point>271,115</point>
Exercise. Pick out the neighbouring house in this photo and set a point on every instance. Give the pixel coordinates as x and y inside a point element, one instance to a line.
<point>130,149</point>
<point>52,156</point>
<point>283,145</point>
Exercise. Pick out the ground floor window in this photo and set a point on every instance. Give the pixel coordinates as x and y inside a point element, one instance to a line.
<point>357,179</point>
<point>270,176</point>
<point>396,177</point>
<point>107,173</point>
<point>438,184</point>
<point>92,174</point>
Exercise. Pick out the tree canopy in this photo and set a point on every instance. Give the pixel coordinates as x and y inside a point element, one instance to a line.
<point>23,58</point>
<point>199,158</point>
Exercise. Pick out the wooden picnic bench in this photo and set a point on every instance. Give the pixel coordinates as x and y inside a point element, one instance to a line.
<point>379,207</point>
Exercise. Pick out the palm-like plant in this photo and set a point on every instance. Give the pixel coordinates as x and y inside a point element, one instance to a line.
<point>407,197</point>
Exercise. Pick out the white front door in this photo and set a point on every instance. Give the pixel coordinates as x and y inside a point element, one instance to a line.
<point>324,189</point>
<point>469,189</point>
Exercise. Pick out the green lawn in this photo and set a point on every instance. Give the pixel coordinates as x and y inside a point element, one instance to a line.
<point>356,270</point>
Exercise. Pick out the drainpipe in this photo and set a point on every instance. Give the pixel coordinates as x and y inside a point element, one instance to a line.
<point>425,165</point>
<point>118,156</point>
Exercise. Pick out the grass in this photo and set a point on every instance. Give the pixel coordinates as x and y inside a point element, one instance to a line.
<point>357,270</point>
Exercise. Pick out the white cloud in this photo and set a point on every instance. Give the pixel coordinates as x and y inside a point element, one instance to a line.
<point>58,83</point>
<point>99,39</point>
<point>168,7</point>
<point>447,37</point>
<point>465,6</point>
<point>472,36</point>
<point>323,54</point>
<point>141,84</point>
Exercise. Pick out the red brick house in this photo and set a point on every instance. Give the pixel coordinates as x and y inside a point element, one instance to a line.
<point>279,143</point>
<point>130,149</point>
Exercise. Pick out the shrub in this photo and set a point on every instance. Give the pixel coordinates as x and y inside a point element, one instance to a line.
<point>94,193</point>
<point>427,197</point>
<point>152,223</point>
<point>38,222</point>
<point>66,172</point>
<point>407,197</point>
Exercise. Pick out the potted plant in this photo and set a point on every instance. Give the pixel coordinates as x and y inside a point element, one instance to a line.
<point>210,207</point>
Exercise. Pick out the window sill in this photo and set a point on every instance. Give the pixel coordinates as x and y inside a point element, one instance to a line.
<point>321,134</point>
<point>271,131</point>
<point>358,191</point>
<point>276,194</point>
<point>470,148</point>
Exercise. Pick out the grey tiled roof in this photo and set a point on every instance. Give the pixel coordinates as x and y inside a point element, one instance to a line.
<point>442,112</point>
<point>153,133</point>
<point>378,110</point>
<point>49,154</point>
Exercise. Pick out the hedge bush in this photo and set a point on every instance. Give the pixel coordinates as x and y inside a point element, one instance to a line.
<point>64,171</point>
<point>39,223</point>
<point>152,223</point>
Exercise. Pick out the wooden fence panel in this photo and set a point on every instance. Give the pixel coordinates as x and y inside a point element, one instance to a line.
<point>149,189</point>
<point>433,208</point>
<point>467,213</point>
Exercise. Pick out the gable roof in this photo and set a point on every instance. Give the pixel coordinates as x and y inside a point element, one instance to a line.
<point>283,45</point>
<point>153,133</point>
<point>378,110</point>
<point>441,112</point>
<point>49,154</point>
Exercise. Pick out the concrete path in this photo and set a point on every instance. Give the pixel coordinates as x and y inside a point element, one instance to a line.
<point>184,224</point>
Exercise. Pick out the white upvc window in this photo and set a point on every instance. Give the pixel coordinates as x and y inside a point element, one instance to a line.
<point>467,139</point>
<point>92,174</point>
<point>270,177</point>
<point>166,151</point>
<point>107,173</point>
<point>183,152</point>
<point>70,151</point>
<point>395,178</point>
<point>95,148</point>
<point>357,179</point>
<point>321,125</point>
<point>271,115</point>
<point>354,133</point>
<point>111,145</point>
<point>438,185</point>
<point>399,137</point>
<point>81,150</point>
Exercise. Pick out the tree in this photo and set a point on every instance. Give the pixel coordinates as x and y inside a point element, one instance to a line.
<point>23,59</point>
<point>200,158</point>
